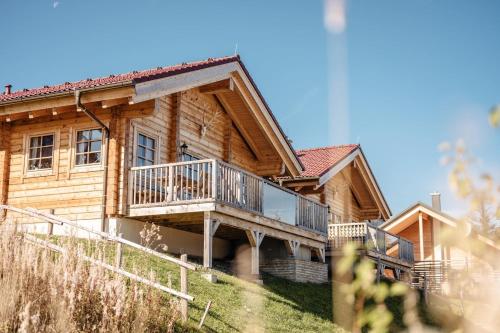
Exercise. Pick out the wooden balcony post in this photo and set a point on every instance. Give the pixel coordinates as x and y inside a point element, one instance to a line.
<point>170,184</point>
<point>292,247</point>
<point>209,229</point>
<point>255,238</point>
<point>215,181</point>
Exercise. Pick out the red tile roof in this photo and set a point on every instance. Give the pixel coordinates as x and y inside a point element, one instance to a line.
<point>132,77</point>
<point>318,161</point>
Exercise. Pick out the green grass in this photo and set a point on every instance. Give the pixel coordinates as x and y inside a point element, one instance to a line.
<point>240,306</point>
<point>278,305</point>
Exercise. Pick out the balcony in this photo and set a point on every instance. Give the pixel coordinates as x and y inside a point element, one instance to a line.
<point>188,184</point>
<point>378,242</point>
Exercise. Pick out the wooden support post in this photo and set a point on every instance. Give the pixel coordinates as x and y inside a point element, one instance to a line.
<point>255,238</point>
<point>293,247</point>
<point>50,228</point>
<point>321,254</point>
<point>421,235</point>
<point>209,228</point>
<point>379,267</point>
<point>119,253</point>
<point>50,225</point>
<point>184,289</point>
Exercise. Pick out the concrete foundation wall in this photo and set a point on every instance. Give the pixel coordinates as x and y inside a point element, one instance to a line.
<point>178,241</point>
<point>297,270</point>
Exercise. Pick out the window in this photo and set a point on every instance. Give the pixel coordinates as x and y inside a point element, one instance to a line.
<point>146,150</point>
<point>188,157</point>
<point>88,146</point>
<point>41,150</point>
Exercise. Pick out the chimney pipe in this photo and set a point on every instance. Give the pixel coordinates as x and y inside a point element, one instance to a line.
<point>436,201</point>
<point>7,89</point>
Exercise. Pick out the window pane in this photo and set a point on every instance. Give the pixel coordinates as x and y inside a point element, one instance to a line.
<point>35,141</point>
<point>141,161</point>
<point>82,147</point>
<point>95,146</point>
<point>151,143</point>
<point>81,159</point>
<point>141,152</point>
<point>48,140</point>
<point>142,140</point>
<point>94,158</point>
<point>46,163</point>
<point>96,134</point>
<point>150,155</point>
<point>47,152</point>
<point>83,135</point>
<point>34,152</point>
<point>34,164</point>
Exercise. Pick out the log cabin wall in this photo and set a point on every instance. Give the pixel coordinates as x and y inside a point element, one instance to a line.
<point>220,138</point>
<point>74,192</point>
<point>179,119</point>
<point>338,196</point>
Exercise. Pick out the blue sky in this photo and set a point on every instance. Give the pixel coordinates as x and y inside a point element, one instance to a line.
<point>414,73</point>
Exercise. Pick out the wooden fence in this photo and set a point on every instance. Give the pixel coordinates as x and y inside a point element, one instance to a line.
<point>443,276</point>
<point>119,242</point>
<point>217,181</point>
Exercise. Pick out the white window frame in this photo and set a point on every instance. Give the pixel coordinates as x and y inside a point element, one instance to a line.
<point>74,168</point>
<point>55,154</point>
<point>144,131</point>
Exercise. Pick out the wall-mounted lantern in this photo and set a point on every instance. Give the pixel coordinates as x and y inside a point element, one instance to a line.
<point>184,148</point>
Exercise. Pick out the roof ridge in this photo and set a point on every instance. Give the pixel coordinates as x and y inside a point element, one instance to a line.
<point>158,70</point>
<point>330,147</point>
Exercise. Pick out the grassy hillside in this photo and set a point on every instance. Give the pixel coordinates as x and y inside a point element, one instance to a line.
<point>278,305</point>
<point>240,306</point>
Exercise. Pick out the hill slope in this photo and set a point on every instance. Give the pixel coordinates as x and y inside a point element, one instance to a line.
<point>240,306</point>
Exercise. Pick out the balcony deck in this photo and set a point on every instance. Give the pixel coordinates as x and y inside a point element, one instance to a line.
<point>210,185</point>
<point>378,244</point>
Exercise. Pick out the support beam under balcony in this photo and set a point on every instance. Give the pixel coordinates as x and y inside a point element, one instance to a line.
<point>255,238</point>
<point>292,247</point>
<point>209,228</point>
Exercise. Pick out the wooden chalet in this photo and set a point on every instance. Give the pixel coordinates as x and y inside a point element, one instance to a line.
<point>439,242</point>
<point>341,178</point>
<point>193,148</point>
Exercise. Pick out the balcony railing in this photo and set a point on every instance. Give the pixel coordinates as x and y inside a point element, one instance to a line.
<point>216,181</point>
<point>372,238</point>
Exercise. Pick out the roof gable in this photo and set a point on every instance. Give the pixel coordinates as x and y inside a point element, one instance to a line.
<point>407,218</point>
<point>140,86</point>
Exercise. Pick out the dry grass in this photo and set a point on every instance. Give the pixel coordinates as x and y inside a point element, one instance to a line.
<point>45,292</point>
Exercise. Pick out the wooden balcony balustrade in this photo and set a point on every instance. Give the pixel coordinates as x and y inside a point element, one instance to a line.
<point>216,181</point>
<point>371,238</point>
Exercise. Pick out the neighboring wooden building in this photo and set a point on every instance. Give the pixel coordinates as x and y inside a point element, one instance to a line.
<point>445,248</point>
<point>193,147</point>
<point>340,177</point>
<point>430,229</point>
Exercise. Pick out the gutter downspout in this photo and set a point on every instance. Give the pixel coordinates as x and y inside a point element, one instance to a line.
<point>88,113</point>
